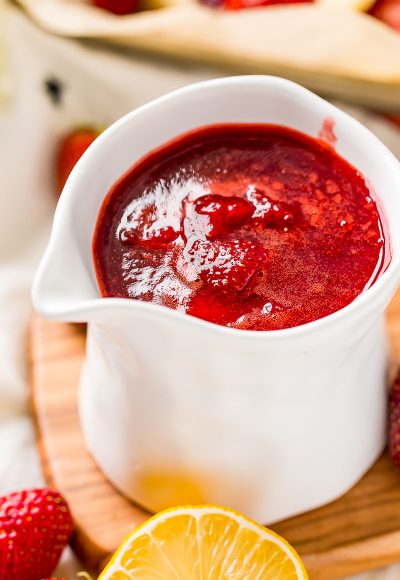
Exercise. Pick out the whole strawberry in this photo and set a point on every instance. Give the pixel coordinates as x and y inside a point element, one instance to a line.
<point>35,526</point>
<point>71,149</point>
<point>388,11</point>
<point>119,7</point>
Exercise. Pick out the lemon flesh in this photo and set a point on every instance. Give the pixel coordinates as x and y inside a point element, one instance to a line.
<point>204,543</point>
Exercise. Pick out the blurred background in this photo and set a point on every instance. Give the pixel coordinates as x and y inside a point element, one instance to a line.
<point>69,68</point>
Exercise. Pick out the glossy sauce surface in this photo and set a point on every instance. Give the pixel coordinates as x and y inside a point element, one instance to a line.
<point>250,226</point>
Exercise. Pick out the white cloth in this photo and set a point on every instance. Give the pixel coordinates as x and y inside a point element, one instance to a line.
<point>98,87</point>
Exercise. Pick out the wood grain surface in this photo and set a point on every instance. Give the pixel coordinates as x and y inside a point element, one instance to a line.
<point>360,531</point>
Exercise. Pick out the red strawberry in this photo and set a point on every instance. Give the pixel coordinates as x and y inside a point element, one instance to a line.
<point>395,119</point>
<point>223,212</point>
<point>119,7</point>
<point>236,4</point>
<point>388,11</point>
<point>270,213</point>
<point>146,230</point>
<point>35,526</point>
<point>150,238</point>
<point>394,423</point>
<point>71,150</point>
<point>226,266</point>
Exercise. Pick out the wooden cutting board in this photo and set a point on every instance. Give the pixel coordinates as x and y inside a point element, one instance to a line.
<point>360,531</point>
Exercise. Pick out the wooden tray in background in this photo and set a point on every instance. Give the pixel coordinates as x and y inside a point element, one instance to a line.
<point>360,531</point>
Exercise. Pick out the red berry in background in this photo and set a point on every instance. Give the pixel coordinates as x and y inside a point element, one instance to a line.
<point>388,11</point>
<point>394,423</point>
<point>119,7</point>
<point>237,4</point>
<point>35,527</point>
<point>71,149</point>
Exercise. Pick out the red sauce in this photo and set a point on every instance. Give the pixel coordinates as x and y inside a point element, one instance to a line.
<point>250,226</point>
<point>327,132</point>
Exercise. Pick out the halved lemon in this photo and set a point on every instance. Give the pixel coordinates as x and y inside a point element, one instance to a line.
<point>203,543</point>
<point>359,5</point>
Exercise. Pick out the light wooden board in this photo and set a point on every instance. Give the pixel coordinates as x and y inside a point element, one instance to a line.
<point>360,531</point>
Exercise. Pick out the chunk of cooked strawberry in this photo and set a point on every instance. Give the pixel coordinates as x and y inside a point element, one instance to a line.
<point>147,229</point>
<point>226,266</point>
<point>223,212</point>
<point>153,237</point>
<point>271,213</point>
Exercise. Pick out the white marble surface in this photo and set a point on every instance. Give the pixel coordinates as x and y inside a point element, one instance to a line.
<point>98,88</point>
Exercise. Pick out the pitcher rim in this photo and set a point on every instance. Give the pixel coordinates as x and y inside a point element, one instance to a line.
<point>391,275</point>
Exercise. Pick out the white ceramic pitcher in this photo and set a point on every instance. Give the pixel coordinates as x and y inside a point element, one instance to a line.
<point>175,409</point>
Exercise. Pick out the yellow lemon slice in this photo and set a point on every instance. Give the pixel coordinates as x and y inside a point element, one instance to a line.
<point>359,5</point>
<point>203,543</point>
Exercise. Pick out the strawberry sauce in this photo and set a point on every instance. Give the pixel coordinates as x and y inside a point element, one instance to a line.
<point>256,227</point>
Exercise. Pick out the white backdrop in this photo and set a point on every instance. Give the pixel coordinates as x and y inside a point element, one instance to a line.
<point>98,86</point>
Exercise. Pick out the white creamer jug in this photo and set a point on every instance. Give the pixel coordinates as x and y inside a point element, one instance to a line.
<point>178,410</point>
